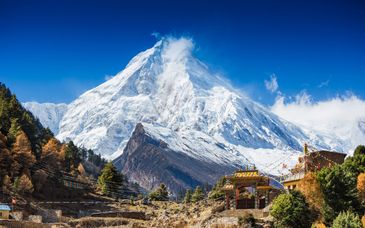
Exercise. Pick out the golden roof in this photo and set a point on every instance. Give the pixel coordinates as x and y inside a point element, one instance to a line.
<point>227,187</point>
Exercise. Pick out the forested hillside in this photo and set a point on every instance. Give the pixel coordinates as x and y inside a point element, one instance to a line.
<point>31,157</point>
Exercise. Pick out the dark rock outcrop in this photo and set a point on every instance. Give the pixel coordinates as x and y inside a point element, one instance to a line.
<point>149,162</point>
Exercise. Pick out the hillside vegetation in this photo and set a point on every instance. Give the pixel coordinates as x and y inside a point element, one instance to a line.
<point>333,196</point>
<point>32,160</point>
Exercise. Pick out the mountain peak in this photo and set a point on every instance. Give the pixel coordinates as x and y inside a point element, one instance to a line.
<point>180,101</point>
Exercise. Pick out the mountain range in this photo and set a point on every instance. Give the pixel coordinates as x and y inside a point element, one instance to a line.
<point>167,117</point>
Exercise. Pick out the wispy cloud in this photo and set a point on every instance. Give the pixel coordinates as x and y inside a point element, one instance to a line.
<point>272,84</point>
<point>157,35</point>
<point>324,84</point>
<point>340,116</point>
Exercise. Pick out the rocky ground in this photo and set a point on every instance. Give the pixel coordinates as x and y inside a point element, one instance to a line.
<point>206,213</point>
<point>127,213</point>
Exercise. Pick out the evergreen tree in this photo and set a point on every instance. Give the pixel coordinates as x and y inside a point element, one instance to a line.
<point>14,117</point>
<point>90,155</point>
<point>160,194</point>
<point>47,135</point>
<point>83,153</point>
<point>216,192</point>
<point>72,156</point>
<point>13,131</point>
<point>339,186</point>
<point>5,159</point>
<point>110,181</point>
<point>291,210</point>
<point>360,150</point>
<point>197,195</point>
<point>339,191</point>
<point>188,195</point>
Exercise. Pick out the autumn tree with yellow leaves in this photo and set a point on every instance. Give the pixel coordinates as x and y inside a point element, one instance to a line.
<point>23,157</point>
<point>361,187</point>
<point>311,189</point>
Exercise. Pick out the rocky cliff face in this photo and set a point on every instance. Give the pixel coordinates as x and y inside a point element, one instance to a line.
<point>150,161</point>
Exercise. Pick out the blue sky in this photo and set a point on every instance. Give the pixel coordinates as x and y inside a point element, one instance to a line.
<point>52,51</point>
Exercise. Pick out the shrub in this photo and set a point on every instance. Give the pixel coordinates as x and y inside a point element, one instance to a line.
<point>291,210</point>
<point>240,221</point>
<point>347,219</point>
<point>249,220</point>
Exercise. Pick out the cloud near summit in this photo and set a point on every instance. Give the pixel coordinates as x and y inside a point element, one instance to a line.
<point>272,84</point>
<point>342,116</point>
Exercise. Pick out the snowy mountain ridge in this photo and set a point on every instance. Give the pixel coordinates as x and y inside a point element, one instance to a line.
<point>196,112</point>
<point>49,114</point>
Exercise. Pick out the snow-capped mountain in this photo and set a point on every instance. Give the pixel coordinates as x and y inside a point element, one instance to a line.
<point>49,114</point>
<point>180,101</point>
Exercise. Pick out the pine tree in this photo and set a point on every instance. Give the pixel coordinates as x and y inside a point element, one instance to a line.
<point>339,186</point>
<point>360,150</point>
<point>160,194</point>
<point>188,194</point>
<point>5,158</point>
<point>197,195</point>
<point>216,192</point>
<point>13,118</point>
<point>110,181</point>
<point>14,130</point>
<point>72,156</point>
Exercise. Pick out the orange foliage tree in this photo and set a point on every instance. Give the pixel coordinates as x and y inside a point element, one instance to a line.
<point>51,155</point>
<point>22,155</point>
<point>310,188</point>
<point>23,184</point>
<point>52,146</point>
<point>361,186</point>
